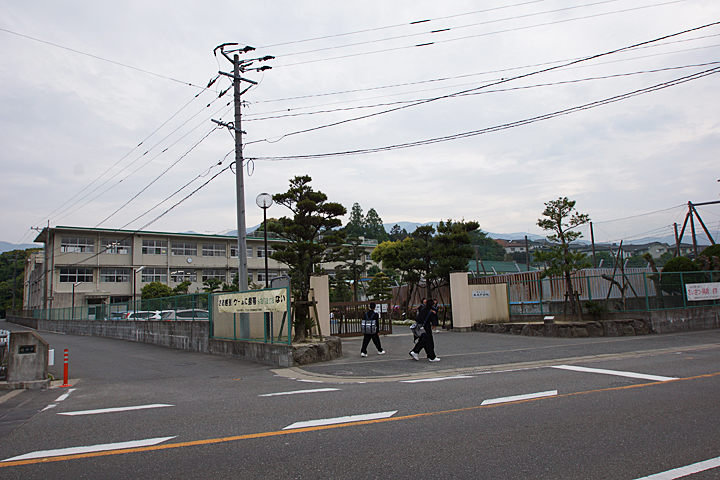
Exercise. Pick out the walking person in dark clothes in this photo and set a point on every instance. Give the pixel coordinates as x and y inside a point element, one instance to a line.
<point>425,316</point>
<point>375,337</point>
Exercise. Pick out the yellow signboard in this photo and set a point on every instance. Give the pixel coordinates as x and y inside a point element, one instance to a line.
<point>274,300</point>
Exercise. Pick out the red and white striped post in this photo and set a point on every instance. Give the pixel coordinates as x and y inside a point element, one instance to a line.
<point>65,370</point>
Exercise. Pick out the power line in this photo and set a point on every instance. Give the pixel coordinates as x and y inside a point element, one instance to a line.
<point>505,126</point>
<point>187,152</point>
<point>137,169</point>
<point>505,80</point>
<point>459,27</point>
<point>399,25</point>
<point>102,59</point>
<point>406,47</point>
<point>563,82</point>
<point>442,79</point>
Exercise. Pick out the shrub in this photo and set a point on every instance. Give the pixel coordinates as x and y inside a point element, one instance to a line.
<point>672,282</point>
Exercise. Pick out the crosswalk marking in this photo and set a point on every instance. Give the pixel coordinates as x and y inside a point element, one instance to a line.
<point>334,421</point>
<point>293,392</point>
<point>90,448</point>
<point>618,373</point>
<point>116,409</point>
<point>515,398</point>
<point>685,471</point>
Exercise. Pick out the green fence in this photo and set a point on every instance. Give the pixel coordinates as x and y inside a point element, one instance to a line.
<point>266,327</point>
<point>630,292</point>
<point>194,307</point>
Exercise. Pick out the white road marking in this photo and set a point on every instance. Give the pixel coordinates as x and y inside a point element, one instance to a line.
<point>64,395</point>
<point>52,405</point>
<point>116,409</point>
<point>684,471</point>
<point>90,448</point>
<point>317,390</point>
<point>618,373</point>
<point>310,381</point>
<point>492,401</point>
<point>435,379</point>
<point>348,419</point>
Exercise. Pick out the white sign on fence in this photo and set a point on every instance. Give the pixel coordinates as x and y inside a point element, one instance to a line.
<point>274,300</point>
<point>481,293</point>
<point>702,291</point>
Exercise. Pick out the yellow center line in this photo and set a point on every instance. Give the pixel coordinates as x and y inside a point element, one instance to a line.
<point>250,436</point>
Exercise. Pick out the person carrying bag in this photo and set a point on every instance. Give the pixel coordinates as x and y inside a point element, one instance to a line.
<point>370,326</point>
<point>423,331</point>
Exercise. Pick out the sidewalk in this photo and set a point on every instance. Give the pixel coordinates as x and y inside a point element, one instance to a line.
<point>477,352</point>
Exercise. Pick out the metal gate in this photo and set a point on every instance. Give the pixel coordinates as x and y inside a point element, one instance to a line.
<point>345,317</point>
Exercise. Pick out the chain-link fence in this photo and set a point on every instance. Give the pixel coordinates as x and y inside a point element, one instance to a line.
<point>613,291</point>
<point>192,307</point>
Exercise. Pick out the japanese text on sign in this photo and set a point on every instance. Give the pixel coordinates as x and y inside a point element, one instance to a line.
<point>256,301</point>
<point>481,294</point>
<point>702,291</point>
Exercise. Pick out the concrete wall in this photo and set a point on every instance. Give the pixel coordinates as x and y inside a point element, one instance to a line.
<point>194,337</point>
<point>27,357</point>
<point>321,291</point>
<point>491,307</point>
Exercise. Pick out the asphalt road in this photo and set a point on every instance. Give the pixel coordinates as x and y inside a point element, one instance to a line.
<point>496,406</point>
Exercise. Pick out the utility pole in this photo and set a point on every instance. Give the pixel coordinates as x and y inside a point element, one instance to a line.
<point>238,68</point>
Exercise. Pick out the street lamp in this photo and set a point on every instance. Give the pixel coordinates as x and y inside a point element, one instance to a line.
<point>73,298</point>
<point>264,200</point>
<point>134,295</point>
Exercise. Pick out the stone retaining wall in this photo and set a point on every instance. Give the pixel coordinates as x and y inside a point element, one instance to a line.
<point>660,321</point>
<point>571,329</point>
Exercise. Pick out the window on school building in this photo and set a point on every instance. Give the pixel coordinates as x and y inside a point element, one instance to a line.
<point>115,275</point>
<point>184,249</point>
<point>154,247</point>
<point>261,251</point>
<point>213,250</point>
<point>77,245</point>
<point>208,274</point>
<point>154,275</point>
<point>234,250</point>
<point>185,275</point>
<point>74,275</point>
<point>121,246</point>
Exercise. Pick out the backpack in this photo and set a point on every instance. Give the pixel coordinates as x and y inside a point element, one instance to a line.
<point>418,328</point>
<point>369,326</point>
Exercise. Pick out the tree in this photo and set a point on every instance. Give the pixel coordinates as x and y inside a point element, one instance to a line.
<point>560,260</point>
<point>212,285</point>
<point>374,226</point>
<point>182,288</point>
<point>607,260</point>
<point>380,288</point>
<point>637,261</point>
<point>672,282</point>
<point>234,286</point>
<point>340,287</point>
<point>486,247</point>
<point>397,233</point>
<point>311,240</point>
<point>156,290</point>
<point>12,273</point>
<point>351,257</point>
<point>356,224</point>
<point>424,256</point>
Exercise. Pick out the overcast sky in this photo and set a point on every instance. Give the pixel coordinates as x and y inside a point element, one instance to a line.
<point>99,99</point>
